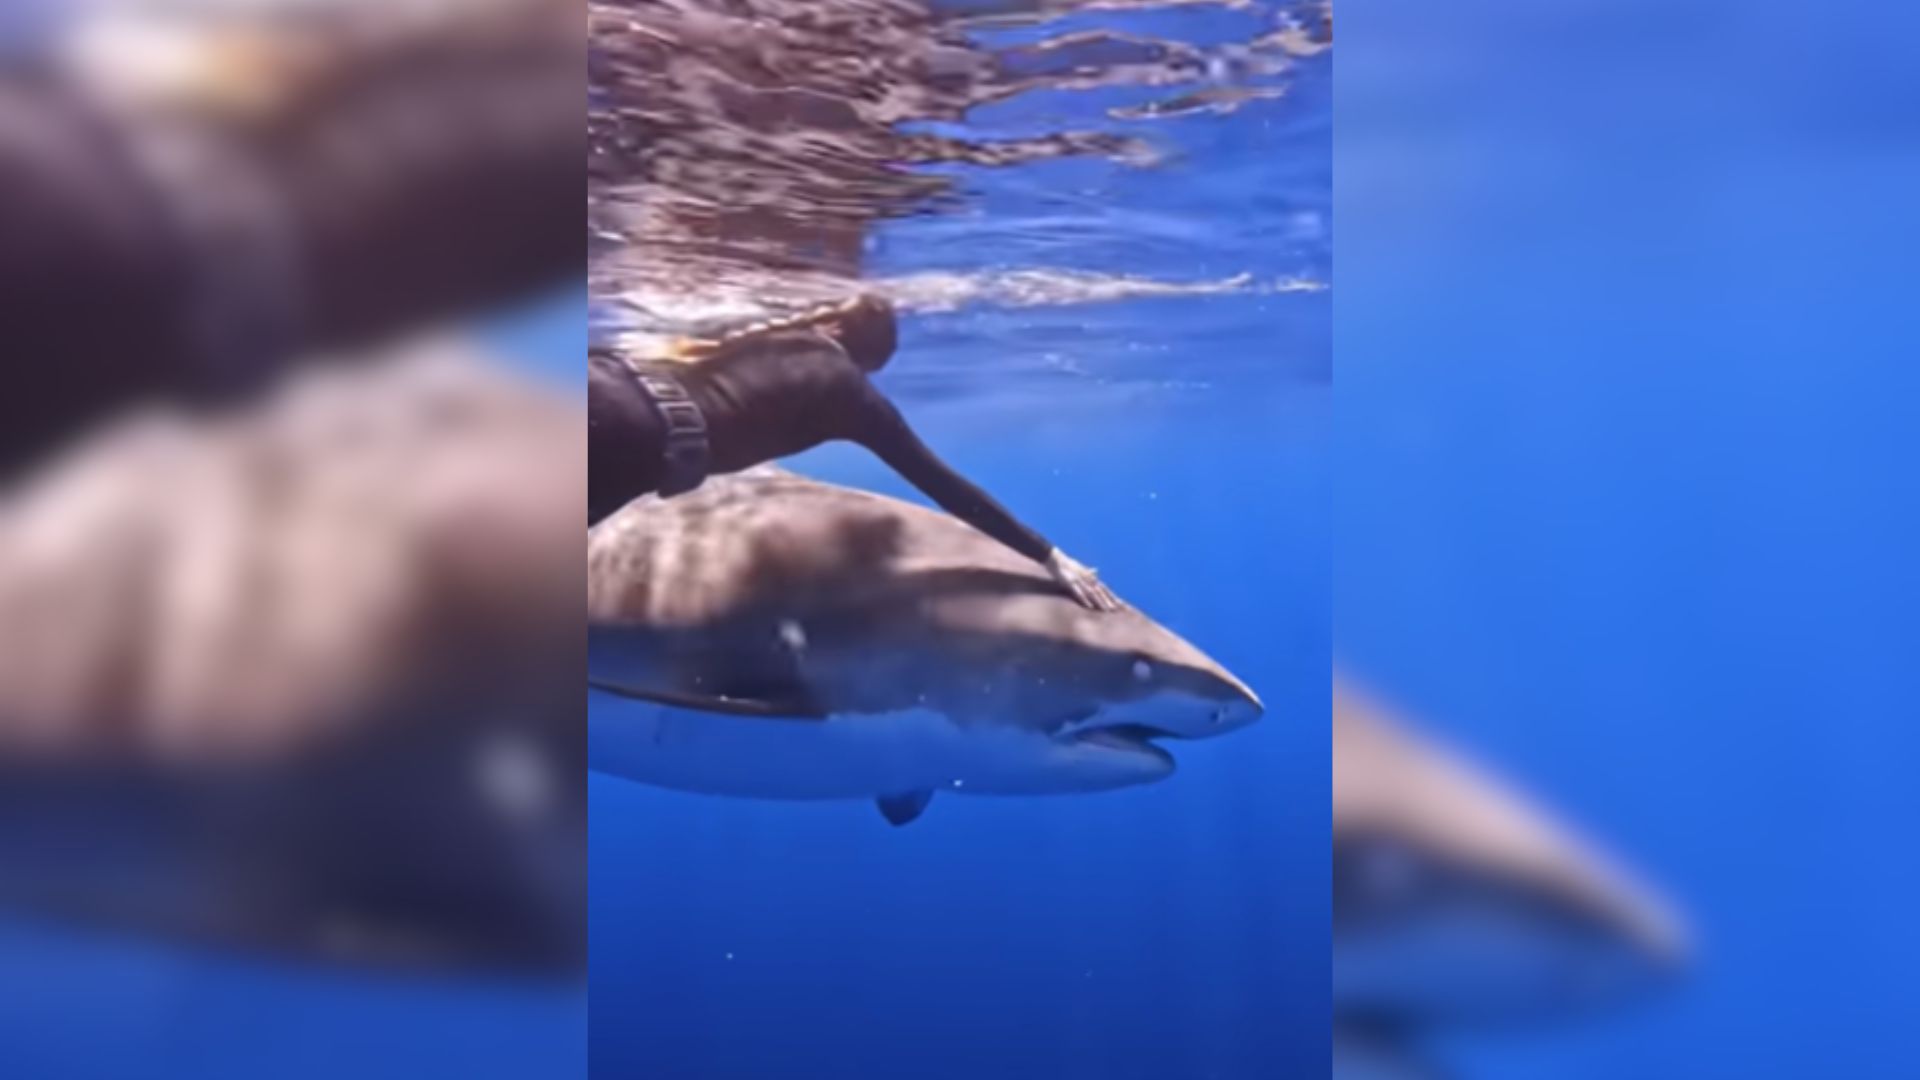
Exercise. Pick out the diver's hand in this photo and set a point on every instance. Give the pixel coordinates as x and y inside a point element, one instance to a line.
<point>1082,581</point>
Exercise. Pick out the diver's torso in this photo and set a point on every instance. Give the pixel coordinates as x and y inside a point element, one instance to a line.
<point>764,398</point>
<point>773,396</point>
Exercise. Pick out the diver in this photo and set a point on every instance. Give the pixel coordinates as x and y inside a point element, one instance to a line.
<point>769,391</point>
<point>185,234</point>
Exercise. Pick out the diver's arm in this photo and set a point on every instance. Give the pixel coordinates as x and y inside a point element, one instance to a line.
<point>886,433</point>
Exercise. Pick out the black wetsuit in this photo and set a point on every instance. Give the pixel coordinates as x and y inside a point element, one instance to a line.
<point>92,302</point>
<point>764,398</point>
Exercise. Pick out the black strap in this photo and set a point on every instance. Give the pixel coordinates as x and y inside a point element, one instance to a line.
<point>687,453</point>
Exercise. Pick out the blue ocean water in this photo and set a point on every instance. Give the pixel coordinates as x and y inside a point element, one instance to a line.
<point>1625,496</point>
<point>1181,445</point>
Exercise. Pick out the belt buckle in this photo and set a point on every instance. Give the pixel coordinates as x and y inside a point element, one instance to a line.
<point>663,389</point>
<point>683,418</point>
<point>686,452</point>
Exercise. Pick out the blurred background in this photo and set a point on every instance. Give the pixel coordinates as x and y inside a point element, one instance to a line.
<point>293,460</point>
<point>1624,506</point>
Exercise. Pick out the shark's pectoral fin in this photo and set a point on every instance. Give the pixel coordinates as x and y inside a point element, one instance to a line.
<point>787,704</point>
<point>904,809</point>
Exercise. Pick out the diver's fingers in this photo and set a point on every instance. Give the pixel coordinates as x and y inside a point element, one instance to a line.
<point>1092,592</point>
<point>1082,582</point>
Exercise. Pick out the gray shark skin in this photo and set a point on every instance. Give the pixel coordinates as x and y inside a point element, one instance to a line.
<point>1457,902</point>
<point>771,636</point>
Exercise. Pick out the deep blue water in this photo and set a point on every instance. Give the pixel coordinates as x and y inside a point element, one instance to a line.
<point>1182,446</point>
<point>1625,497</point>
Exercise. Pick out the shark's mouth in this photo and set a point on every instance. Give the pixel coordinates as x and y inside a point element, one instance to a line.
<point>1132,743</point>
<point>1136,737</point>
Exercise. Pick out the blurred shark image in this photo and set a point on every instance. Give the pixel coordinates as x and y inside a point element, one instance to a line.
<point>1457,903</point>
<point>298,680</point>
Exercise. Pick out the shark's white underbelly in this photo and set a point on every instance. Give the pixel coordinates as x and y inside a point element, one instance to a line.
<point>849,757</point>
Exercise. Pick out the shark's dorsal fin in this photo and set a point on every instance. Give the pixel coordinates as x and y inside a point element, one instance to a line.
<point>763,707</point>
<point>904,809</point>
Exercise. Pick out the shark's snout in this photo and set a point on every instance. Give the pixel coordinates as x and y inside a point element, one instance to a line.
<point>1222,704</point>
<point>1200,700</point>
<point>1238,711</point>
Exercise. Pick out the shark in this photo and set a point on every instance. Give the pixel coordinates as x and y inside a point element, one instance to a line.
<point>295,681</point>
<point>773,636</point>
<point>1458,903</point>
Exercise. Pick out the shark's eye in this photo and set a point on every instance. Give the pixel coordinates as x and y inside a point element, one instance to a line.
<point>1142,669</point>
